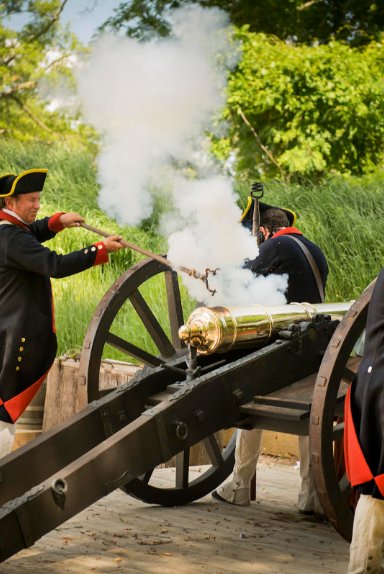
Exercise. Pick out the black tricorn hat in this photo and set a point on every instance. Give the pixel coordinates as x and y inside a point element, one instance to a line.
<point>247,217</point>
<point>27,181</point>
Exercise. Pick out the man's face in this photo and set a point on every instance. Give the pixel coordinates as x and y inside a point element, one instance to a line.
<point>25,205</point>
<point>265,232</point>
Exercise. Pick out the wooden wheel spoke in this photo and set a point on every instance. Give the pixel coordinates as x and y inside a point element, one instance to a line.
<point>348,375</point>
<point>338,431</point>
<point>175,308</point>
<point>350,369</point>
<point>130,289</point>
<point>214,451</point>
<point>145,478</point>
<point>152,325</point>
<point>133,350</point>
<point>182,469</point>
<point>345,486</point>
<point>339,405</point>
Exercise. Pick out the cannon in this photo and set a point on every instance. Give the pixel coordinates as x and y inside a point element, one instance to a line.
<point>292,378</point>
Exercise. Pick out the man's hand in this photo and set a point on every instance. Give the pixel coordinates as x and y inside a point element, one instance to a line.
<point>112,243</point>
<point>71,219</point>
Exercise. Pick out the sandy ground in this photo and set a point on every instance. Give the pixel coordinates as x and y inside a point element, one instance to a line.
<point>123,535</point>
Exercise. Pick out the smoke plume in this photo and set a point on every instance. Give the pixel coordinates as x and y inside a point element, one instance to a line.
<point>153,103</point>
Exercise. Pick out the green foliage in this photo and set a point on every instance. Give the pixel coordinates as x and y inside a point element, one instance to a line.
<point>32,60</point>
<point>354,21</point>
<point>142,19</point>
<point>304,111</point>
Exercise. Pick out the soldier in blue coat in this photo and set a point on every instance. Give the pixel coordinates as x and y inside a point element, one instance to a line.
<point>27,328</point>
<point>279,254</point>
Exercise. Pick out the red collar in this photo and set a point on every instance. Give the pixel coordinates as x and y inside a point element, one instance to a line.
<point>287,231</point>
<point>13,220</point>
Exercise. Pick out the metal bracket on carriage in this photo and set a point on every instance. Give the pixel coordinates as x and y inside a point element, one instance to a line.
<point>193,369</point>
<point>191,272</point>
<point>59,491</point>
<point>294,333</point>
<point>124,478</point>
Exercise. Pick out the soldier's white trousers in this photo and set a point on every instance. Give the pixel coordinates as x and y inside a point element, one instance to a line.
<point>7,435</point>
<point>248,447</point>
<point>367,546</point>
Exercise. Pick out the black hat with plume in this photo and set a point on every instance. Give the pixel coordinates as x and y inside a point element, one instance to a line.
<point>247,216</point>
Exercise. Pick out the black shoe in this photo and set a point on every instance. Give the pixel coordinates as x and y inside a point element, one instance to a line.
<point>217,496</point>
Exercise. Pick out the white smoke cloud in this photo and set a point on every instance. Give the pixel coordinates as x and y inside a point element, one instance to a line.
<point>152,102</point>
<point>209,235</point>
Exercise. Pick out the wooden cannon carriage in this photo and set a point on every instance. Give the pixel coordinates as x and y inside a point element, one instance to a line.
<point>294,383</point>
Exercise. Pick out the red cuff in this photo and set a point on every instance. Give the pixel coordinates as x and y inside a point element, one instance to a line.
<point>54,223</point>
<point>102,253</point>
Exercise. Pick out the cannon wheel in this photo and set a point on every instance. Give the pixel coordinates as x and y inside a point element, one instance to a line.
<point>132,289</point>
<point>336,373</point>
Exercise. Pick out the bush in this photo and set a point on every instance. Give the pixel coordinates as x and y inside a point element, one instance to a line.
<point>295,111</point>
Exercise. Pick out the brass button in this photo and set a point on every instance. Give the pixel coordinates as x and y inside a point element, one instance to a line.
<point>21,349</point>
<point>19,359</point>
<point>23,339</point>
<point>17,368</point>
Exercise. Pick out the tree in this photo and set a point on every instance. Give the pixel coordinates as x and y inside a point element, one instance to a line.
<point>301,106</point>
<point>295,111</point>
<point>37,54</point>
<point>356,22</point>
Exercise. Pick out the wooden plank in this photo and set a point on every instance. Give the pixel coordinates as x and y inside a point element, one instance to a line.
<point>66,394</point>
<point>275,412</point>
<point>300,390</point>
<point>291,403</point>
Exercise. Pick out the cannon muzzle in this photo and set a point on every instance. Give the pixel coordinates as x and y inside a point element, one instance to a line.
<point>219,329</point>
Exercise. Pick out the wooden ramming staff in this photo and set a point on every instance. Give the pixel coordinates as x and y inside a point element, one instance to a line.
<point>191,272</point>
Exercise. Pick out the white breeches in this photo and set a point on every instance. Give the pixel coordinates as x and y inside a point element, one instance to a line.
<point>367,546</point>
<point>248,447</point>
<point>7,435</point>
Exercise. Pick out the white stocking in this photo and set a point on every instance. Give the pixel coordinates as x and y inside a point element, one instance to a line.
<point>7,435</point>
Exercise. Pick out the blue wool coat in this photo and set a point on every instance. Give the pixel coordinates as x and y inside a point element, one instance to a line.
<point>27,332</point>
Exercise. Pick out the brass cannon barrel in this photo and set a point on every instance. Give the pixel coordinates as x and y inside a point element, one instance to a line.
<point>218,329</point>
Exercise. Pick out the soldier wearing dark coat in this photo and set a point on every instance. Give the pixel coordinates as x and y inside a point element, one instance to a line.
<point>279,254</point>
<point>284,256</point>
<point>364,443</point>
<point>27,328</point>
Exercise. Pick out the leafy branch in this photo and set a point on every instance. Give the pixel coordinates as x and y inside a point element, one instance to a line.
<point>264,148</point>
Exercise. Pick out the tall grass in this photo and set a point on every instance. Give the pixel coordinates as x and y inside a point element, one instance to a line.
<point>344,216</point>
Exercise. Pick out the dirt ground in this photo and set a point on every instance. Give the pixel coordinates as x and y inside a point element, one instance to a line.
<point>123,535</point>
